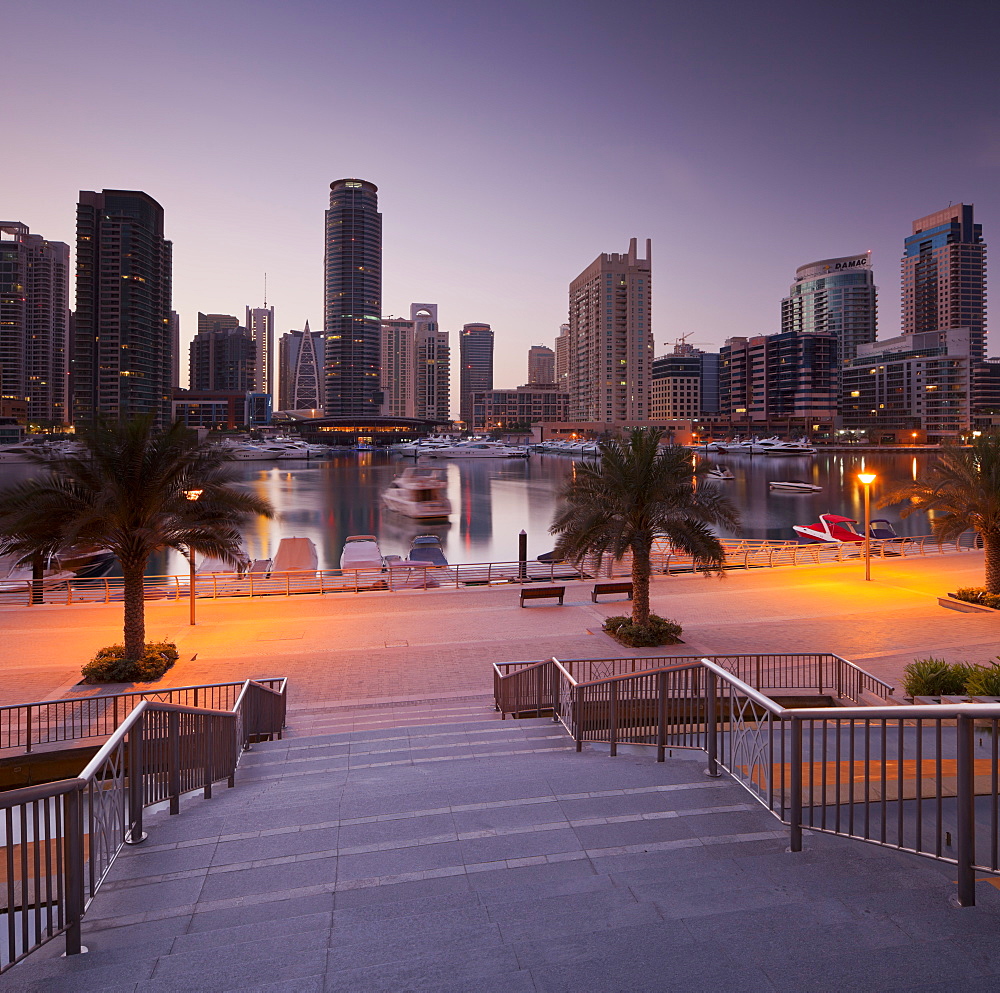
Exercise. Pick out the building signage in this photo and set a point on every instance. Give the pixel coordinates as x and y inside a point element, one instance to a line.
<point>828,266</point>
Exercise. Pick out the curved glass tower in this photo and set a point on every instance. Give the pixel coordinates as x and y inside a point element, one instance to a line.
<point>352,321</point>
<point>834,296</point>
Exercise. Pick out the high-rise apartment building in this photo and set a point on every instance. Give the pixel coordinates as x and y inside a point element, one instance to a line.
<point>476,357</point>
<point>175,346</point>
<point>562,358</point>
<point>352,319</point>
<point>223,356</point>
<point>432,364</point>
<point>122,360</point>
<point>34,324</point>
<point>397,379</point>
<point>834,296</point>
<point>944,276</point>
<point>541,365</point>
<point>611,339</point>
<point>675,393</point>
<point>260,324</point>
<point>300,366</point>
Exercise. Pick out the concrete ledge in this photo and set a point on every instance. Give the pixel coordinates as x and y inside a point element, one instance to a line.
<point>953,603</point>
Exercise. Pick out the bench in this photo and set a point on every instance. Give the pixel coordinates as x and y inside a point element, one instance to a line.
<point>602,588</point>
<point>542,593</point>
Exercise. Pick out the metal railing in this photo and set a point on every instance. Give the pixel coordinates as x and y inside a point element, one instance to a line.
<point>46,722</point>
<point>61,839</point>
<point>920,779</point>
<point>665,560</point>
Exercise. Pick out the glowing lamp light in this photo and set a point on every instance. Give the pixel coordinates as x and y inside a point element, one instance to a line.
<point>193,494</point>
<point>867,478</point>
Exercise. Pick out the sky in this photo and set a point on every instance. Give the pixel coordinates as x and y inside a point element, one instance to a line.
<point>512,142</point>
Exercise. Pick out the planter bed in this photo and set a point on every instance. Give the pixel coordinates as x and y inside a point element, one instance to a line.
<point>953,603</point>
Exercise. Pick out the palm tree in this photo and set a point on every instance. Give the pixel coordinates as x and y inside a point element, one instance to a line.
<point>963,489</point>
<point>128,491</point>
<point>639,491</point>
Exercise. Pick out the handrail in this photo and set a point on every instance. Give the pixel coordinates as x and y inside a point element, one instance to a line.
<point>61,839</point>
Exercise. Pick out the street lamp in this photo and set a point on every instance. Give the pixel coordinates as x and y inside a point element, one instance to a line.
<point>867,478</point>
<point>192,495</point>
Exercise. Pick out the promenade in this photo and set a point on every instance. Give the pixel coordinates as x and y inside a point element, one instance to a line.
<point>416,645</point>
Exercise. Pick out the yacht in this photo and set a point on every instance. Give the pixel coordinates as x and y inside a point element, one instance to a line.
<point>774,447</point>
<point>831,527</point>
<point>361,551</point>
<point>420,494</point>
<point>479,450</point>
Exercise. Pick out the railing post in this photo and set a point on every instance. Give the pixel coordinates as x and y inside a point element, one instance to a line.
<point>712,723</point>
<point>174,773</point>
<point>795,807</point>
<point>613,716</point>
<point>578,724</point>
<point>661,716</point>
<point>965,802</point>
<point>135,835</point>
<point>556,680</point>
<point>538,691</point>
<point>27,744</point>
<point>74,870</point>
<point>209,755</point>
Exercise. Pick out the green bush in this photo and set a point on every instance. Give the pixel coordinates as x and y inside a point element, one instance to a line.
<point>978,594</point>
<point>935,677</point>
<point>984,680</point>
<point>659,631</point>
<point>109,664</point>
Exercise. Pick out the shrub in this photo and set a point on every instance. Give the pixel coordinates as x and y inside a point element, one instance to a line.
<point>659,631</point>
<point>980,595</point>
<point>935,677</point>
<point>109,664</point>
<point>984,680</point>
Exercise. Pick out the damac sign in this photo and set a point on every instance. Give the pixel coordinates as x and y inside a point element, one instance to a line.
<point>853,263</point>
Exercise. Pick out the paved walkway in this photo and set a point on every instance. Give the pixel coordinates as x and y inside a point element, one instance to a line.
<point>421,645</point>
<point>382,850</point>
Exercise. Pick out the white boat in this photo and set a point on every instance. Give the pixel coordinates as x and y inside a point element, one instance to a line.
<point>425,549</point>
<point>420,494</point>
<point>794,486</point>
<point>361,551</point>
<point>800,447</point>
<point>250,453</point>
<point>295,555</point>
<point>719,472</point>
<point>479,450</point>
<point>831,527</point>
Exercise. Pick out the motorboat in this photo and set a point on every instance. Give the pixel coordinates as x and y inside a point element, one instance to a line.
<point>793,486</point>
<point>420,494</point>
<point>793,448</point>
<point>882,530</point>
<point>295,555</point>
<point>425,549</point>
<point>831,527</point>
<point>719,472</point>
<point>361,551</point>
<point>85,561</point>
<point>479,450</point>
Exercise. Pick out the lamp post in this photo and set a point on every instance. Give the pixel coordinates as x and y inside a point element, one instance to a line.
<point>191,495</point>
<point>867,478</point>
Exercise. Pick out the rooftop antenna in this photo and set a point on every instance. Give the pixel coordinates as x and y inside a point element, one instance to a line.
<point>265,291</point>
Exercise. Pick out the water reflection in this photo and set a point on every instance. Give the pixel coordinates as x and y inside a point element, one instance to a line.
<point>493,500</point>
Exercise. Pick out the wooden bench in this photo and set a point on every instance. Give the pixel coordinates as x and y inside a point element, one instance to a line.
<point>601,588</point>
<point>542,593</point>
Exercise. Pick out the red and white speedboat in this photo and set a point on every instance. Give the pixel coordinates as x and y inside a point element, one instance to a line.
<point>831,527</point>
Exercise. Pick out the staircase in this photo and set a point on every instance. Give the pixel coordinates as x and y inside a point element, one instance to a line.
<point>434,847</point>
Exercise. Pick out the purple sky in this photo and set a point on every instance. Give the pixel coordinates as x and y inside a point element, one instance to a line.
<point>511,142</point>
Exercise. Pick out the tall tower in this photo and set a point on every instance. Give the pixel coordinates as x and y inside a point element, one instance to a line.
<point>476,357</point>
<point>611,339</point>
<point>260,324</point>
<point>353,300</point>
<point>541,364</point>
<point>34,322</point>
<point>397,368</point>
<point>306,393</point>
<point>834,296</point>
<point>562,358</point>
<point>123,359</point>
<point>944,276</point>
<point>432,364</point>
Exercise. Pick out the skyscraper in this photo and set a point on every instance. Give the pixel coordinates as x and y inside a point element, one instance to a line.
<point>34,323</point>
<point>353,300</point>
<point>432,364</point>
<point>541,364</point>
<point>944,276</point>
<point>175,346</point>
<point>834,296</point>
<point>611,339</point>
<point>397,376</point>
<point>123,359</point>
<point>299,370</point>
<point>476,357</point>
<point>260,324</point>
<point>223,355</point>
<point>562,357</point>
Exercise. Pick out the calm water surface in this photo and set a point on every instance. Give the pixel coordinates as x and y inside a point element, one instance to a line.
<point>492,500</point>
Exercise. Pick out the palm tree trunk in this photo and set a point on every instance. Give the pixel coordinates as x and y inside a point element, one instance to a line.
<point>991,552</point>
<point>135,617</point>
<point>640,586</point>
